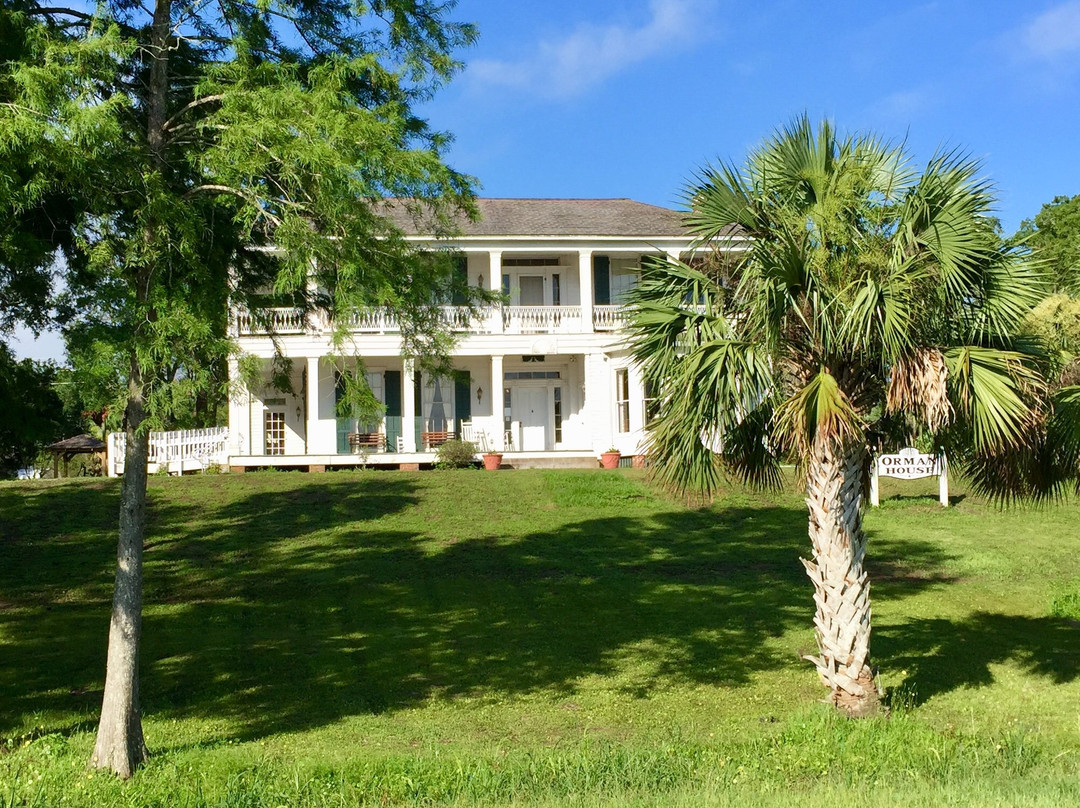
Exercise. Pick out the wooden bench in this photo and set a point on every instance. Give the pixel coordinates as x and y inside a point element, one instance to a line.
<point>431,440</point>
<point>370,441</point>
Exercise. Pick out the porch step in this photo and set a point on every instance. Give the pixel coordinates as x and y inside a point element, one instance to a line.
<point>550,462</point>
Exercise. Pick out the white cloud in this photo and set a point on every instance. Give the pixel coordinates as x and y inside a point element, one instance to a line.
<point>592,53</point>
<point>1054,33</point>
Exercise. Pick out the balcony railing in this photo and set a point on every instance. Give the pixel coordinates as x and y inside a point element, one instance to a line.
<point>381,320</point>
<point>541,319</point>
<point>609,318</point>
<point>270,321</point>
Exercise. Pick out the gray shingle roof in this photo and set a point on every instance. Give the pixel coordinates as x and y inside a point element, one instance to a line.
<point>79,443</point>
<point>558,217</point>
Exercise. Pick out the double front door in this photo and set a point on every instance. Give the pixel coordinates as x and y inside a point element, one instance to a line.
<point>533,408</point>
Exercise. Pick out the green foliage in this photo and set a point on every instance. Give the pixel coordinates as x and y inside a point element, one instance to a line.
<point>1055,322</point>
<point>1054,238</point>
<point>455,454</point>
<point>33,414</point>
<point>871,298</point>
<point>355,398</point>
<point>259,126</point>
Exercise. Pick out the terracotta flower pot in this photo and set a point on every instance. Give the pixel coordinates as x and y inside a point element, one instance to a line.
<point>610,460</point>
<point>492,461</point>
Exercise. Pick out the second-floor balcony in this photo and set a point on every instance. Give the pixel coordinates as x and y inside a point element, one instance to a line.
<point>459,319</point>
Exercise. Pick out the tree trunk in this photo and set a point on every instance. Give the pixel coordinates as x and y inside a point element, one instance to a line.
<point>120,745</point>
<point>841,588</point>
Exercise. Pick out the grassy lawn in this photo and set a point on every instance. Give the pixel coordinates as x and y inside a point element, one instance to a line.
<point>531,638</point>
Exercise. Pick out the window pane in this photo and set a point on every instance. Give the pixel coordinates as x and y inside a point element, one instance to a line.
<point>274,430</point>
<point>622,400</point>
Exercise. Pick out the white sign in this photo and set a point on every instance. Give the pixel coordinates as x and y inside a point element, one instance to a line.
<point>911,464</point>
<point>908,464</point>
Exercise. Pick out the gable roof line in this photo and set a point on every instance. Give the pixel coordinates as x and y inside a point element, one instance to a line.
<point>503,217</point>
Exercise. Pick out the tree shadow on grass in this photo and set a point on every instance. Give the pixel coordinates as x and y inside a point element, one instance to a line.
<point>940,655</point>
<point>291,608</point>
<point>58,559</point>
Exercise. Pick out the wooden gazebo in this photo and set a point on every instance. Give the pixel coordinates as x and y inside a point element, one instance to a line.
<point>69,447</point>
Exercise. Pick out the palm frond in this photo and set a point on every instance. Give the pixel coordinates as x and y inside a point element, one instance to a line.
<point>1011,285</point>
<point>918,384</point>
<point>718,199</point>
<point>714,386</point>
<point>945,220</point>
<point>1063,430</point>
<point>995,394</point>
<point>749,450</point>
<point>880,316</point>
<point>818,411</point>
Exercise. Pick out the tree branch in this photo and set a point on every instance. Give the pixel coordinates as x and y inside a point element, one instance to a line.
<point>209,99</point>
<point>228,189</point>
<point>82,16</point>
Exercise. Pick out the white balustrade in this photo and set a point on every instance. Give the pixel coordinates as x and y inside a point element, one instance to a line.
<point>609,318</point>
<point>275,321</point>
<point>541,319</point>
<point>461,319</point>
<point>376,320</point>
<point>172,450</point>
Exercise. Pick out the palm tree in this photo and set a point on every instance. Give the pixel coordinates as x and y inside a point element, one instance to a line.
<point>864,294</point>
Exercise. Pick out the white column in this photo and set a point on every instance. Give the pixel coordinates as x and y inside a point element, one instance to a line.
<point>599,405</point>
<point>311,425</point>
<point>408,407</point>
<point>495,285</point>
<point>943,479</point>
<point>499,433</point>
<point>239,415</point>
<point>673,256</point>
<point>585,283</point>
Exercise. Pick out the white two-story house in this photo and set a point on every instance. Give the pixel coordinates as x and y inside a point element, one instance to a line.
<point>545,378</point>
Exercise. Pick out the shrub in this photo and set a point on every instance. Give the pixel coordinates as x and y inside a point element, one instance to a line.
<point>455,454</point>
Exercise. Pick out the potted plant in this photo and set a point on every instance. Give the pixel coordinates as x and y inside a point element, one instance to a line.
<point>610,458</point>
<point>492,460</point>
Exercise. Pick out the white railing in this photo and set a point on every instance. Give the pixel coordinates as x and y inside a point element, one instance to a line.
<point>378,320</point>
<point>541,319</point>
<point>609,318</point>
<point>275,321</point>
<point>381,320</point>
<point>460,318</point>
<point>179,451</point>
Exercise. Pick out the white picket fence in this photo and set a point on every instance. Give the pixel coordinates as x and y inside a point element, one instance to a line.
<point>175,452</point>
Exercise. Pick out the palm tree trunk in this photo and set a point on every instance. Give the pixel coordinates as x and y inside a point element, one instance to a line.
<point>841,588</point>
<point>119,746</point>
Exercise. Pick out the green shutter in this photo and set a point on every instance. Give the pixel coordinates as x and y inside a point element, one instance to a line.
<point>418,421</point>
<point>601,271</point>
<point>344,425</point>
<point>462,398</point>
<point>392,391</point>
<point>460,280</point>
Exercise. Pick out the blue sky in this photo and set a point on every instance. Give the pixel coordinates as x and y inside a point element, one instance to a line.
<point>627,98</point>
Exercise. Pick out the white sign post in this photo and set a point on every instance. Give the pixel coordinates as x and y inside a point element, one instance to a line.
<point>911,464</point>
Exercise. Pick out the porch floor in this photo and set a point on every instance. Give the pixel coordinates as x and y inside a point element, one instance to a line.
<point>517,460</point>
